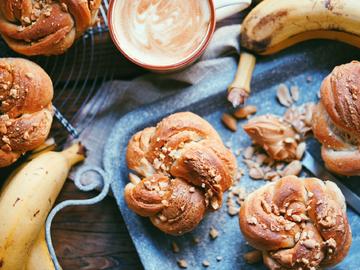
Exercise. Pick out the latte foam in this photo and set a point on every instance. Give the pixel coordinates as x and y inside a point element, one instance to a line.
<point>161,32</point>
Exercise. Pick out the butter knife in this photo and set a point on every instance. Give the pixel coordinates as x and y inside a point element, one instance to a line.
<point>318,170</point>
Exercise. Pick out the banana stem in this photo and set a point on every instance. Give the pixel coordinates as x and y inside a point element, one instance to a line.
<point>239,90</point>
<point>74,153</point>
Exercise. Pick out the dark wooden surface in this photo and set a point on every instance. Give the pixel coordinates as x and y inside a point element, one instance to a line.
<point>92,237</point>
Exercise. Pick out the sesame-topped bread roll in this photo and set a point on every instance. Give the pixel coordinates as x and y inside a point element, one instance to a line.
<point>26,92</point>
<point>45,27</point>
<point>336,120</point>
<point>297,223</point>
<point>185,168</point>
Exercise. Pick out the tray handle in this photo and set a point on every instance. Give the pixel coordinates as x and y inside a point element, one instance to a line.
<point>105,187</point>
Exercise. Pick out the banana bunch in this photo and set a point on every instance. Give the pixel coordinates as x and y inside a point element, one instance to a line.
<point>25,201</point>
<point>277,24</point>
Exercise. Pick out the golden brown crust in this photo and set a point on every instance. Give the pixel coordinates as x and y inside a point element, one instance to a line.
<point>45,27</point>
<point>145,197</point>
<point>184,147</point>
<point>186,208</point>
<point>297,223</point>
<point>345,162</point>
<point>171,204</point>
<point>325,131</point>
<point>136,151</point>
<point>26,92</point>
<point>340,95</point>
<point>336,120</point>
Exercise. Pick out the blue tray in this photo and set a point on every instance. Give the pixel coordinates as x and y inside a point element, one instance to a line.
<point>208,99</point>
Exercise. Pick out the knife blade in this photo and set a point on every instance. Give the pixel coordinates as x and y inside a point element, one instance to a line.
<point>318,170</point>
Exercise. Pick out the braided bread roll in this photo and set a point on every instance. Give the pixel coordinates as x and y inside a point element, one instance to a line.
<point>185,169</point>
<point>297,223</point>
<point>336,120</point>
<point>45,27</point>
<point>26,92</point>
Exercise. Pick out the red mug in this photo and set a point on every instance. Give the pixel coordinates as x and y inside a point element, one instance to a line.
<point>133,40</point>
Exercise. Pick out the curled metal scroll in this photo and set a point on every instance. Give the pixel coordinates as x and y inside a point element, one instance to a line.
<point>104,185</point>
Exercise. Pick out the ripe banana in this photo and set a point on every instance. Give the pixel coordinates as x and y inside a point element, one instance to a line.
<point>25,201</point>
<point>277,24</point>
<point>39,258</point>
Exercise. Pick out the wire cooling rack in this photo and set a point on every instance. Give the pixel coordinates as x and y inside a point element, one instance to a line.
<point>76,76</point>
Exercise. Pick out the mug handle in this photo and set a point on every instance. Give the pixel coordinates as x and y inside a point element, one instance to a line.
<point>227,8</point>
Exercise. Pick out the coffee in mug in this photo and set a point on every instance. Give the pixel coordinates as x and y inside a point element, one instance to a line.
<point>161,32</point>
<point>163,35</point>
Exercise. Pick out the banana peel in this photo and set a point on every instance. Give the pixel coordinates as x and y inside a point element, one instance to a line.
<point>274,25</point>
<point>25,201</point>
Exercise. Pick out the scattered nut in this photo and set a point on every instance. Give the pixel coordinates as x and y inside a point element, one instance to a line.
<point>244,112</point>
<point>162,218</point>
<point>296,218</point>
<point>64,7</point>
<point>175,247</point>
<point>253,256</point>
<point>182,263</point>
<point>3,128</point>
<point>233,211</point>
<point>229,122</point>
<point>293,168</point>
<point>252,220</point>
<point>238,152</point>
<point>196,240</point>
<point>300,150</point>
<point>29,75</point>
<point>309,116</point>
<point>6,140</point>
<point>295,93</point>
<point>134,178</point>
<point>256,173</point>
<point>260,158</point>
<point>213,233</point>
<point>309,243</point>
<point>165,203</point>
<point>272,175</point>
<point>300,118</point>
<point>249,152</point>
<point>206,263</point>
<point>305,261</point>
<point>283,95</point>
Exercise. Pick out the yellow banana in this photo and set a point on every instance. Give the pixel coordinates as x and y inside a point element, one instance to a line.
<point>47,146</point>
<point>26,200</point>
<point>39,258</point>
<point>277,24</point>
